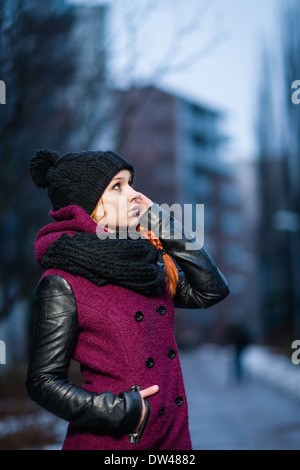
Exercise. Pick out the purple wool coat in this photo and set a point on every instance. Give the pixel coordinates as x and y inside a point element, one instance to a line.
<point>124,339</point>
<point>113,349</point>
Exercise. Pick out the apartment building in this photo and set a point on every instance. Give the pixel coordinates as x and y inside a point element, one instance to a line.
<point>175,145</point>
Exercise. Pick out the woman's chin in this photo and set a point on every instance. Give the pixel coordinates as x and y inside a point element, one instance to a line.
<point>133,223</point>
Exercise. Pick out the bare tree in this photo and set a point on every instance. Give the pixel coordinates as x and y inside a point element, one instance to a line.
<point>36,68</point>
<point>291,144</point>
<point>134,18</point>
<point>278,173</point>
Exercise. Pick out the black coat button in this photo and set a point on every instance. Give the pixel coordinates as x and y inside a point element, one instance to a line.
<point>150,362</point>
<point>172,354</point>
<point>161,310</point>
<point>179,401</point>
<point>161,411</point>
<point>139,315</point>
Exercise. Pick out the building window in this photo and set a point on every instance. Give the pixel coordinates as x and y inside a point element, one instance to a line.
<point>229,194</point>
<point>164,173</point>
<point>231,224</point>
<point>204,186</point>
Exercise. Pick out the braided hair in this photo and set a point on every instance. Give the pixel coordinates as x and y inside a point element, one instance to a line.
<point>171,270</point>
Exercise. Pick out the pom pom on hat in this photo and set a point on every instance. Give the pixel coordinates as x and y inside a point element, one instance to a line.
<point>40,165</point>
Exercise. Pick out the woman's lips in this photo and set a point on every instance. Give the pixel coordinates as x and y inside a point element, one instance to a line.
<point>135,211</point>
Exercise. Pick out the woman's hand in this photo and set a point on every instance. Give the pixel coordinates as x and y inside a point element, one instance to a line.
<point>148,392</point>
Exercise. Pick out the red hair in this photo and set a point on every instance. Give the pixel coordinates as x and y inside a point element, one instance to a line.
<point>171,270</point>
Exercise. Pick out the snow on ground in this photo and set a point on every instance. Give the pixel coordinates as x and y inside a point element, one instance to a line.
<point>274,369</point>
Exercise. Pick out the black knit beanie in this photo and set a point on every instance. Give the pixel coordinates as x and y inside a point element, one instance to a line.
<point>78,178</point>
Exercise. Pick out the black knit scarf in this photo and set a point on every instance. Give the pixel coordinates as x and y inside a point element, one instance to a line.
<point>127,262</point>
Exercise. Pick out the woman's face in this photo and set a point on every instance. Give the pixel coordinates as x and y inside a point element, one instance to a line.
<point>115,209</point>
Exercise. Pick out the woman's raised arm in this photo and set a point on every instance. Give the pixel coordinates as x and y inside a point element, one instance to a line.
<point>201,284</point>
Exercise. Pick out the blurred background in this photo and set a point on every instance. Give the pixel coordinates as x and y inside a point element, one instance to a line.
<point>198,96</point>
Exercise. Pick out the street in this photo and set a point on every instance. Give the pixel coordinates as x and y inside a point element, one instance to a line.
<point>228,415</point>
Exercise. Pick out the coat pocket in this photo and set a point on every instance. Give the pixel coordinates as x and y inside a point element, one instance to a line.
<point>135,437</point>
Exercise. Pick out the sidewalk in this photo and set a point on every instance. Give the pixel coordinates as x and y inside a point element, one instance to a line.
<point>262,412</point>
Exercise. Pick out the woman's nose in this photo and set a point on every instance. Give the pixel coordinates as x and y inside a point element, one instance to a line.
<point>136,195</point>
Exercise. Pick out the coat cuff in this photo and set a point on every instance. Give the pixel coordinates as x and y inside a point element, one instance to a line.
<point>151,219</point>
<point>133,410</point>
<point>167,228</point>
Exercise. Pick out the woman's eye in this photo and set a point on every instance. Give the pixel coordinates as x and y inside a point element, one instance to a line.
<point>118,184</point>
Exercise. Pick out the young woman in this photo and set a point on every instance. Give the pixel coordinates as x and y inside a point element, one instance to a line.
<point>106,301</point>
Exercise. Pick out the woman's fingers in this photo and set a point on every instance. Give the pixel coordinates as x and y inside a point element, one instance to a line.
<point>145,201</point>
<point>147,392</point>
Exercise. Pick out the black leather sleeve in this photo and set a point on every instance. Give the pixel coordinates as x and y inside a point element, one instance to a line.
<point>201,284</point>
<point>55,335</point>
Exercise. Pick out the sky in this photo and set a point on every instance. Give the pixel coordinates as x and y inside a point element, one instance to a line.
<point>216,46</point>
